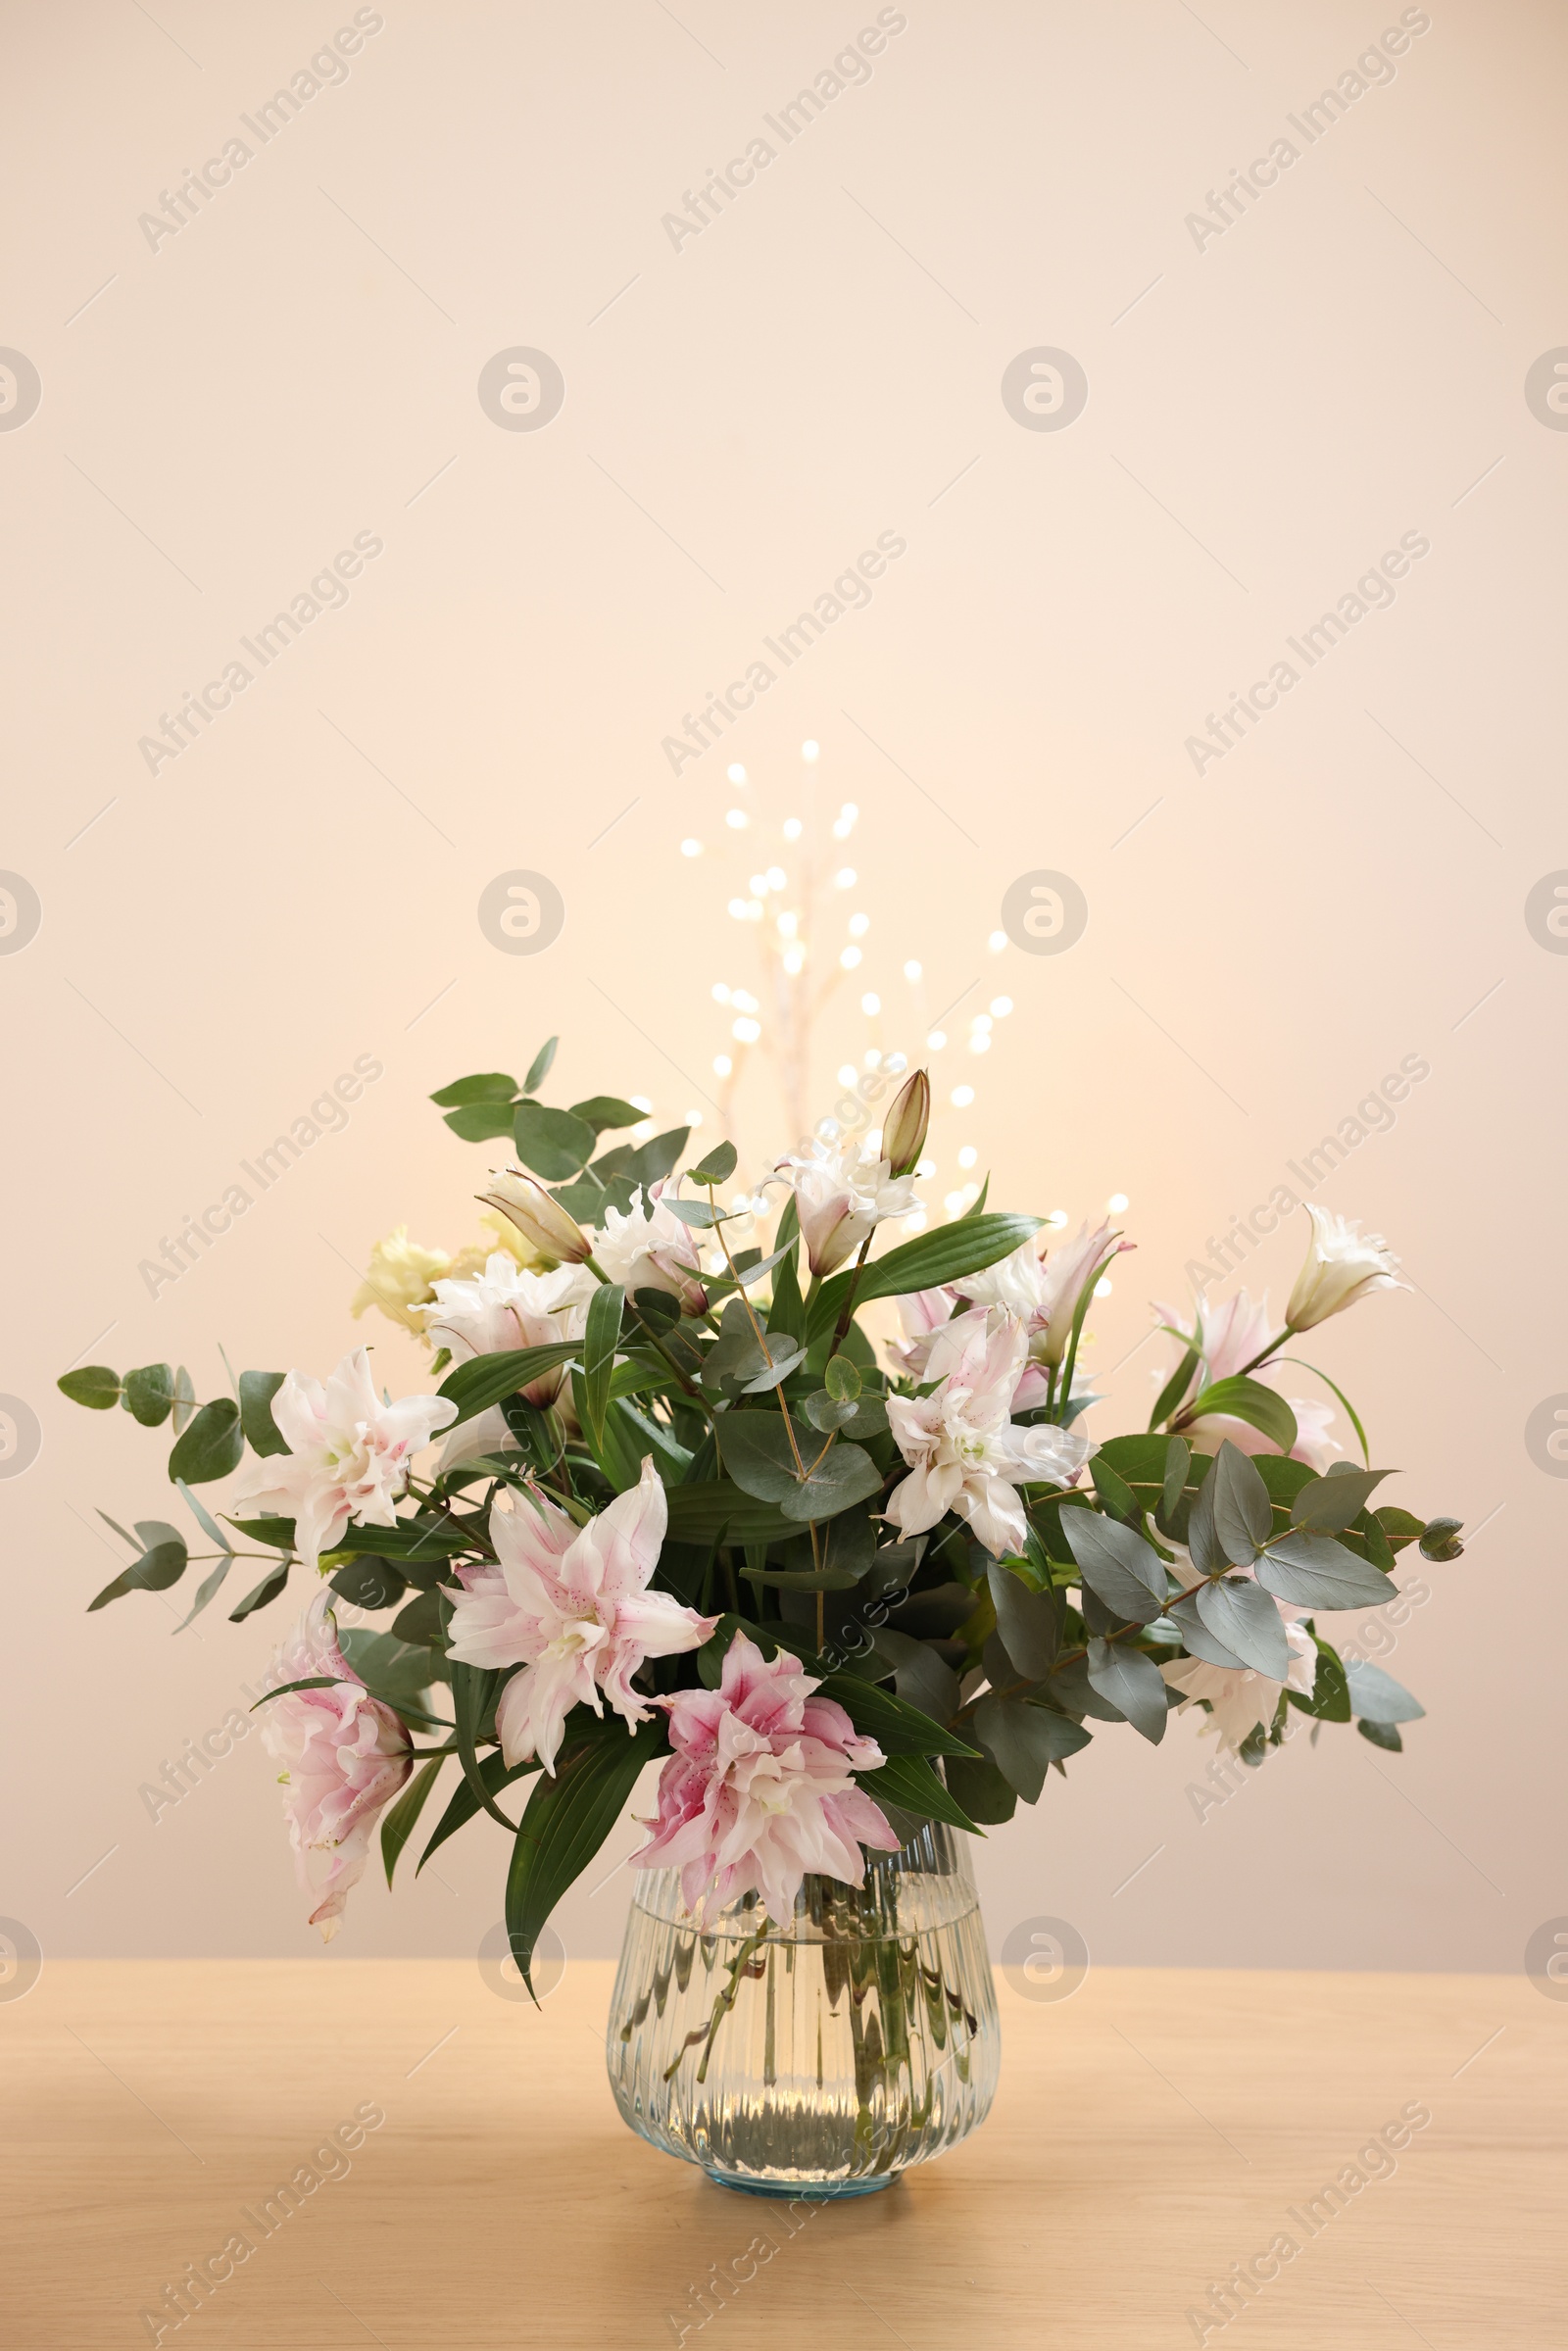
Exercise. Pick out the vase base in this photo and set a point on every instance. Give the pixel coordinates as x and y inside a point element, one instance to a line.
<point>809,2191</point>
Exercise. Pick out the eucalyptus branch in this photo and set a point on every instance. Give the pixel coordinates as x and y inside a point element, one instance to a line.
<point>761,1337</point>
<point>847,1311</point>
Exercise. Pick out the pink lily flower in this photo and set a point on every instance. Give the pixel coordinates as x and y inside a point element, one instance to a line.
<point>572,1607</point>
<point>344,1757</point>
<point>760,1787</point>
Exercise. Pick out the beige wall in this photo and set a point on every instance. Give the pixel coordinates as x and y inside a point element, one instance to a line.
<point>1347,887</point>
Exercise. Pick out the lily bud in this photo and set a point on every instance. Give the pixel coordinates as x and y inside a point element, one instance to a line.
<point>1341,1265</point>
<point>903,1129</point>
<point>543,1223</point>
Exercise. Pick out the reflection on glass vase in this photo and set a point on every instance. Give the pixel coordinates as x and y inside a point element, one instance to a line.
<point>823,2054</point>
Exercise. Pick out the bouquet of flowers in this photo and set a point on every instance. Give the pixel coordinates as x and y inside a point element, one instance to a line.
<point>682,1510</point>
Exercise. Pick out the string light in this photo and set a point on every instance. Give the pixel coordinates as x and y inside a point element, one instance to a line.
<point>962,1097</point>
<point>870,1005</point>
<point>912,971</point>
<point>1116,1203</point>
<point>737,819</point>
<point>691,849</point>
<point>996,942</point>
<point>849,957</point>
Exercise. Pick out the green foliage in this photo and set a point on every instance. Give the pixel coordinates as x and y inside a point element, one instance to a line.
<point>211,1447</point>
<point>162,1562</point>
<point>1119,1566</point>
<point>369,1583</point>
<point>398,1825</point>
<point>474,1387</point>
<point>553,1143</point>
<point>94,1384</point>
<point>149,1394</point>
<point>1131,1683</point>
<point>1245,1620</point>
<point>260,1594</point>
<point>1377,1697</point>
<point>1242,1398</point>
<point>1028,1623</point>
<point>931,1258</point>
<point>567,1820</point>
<point>1025,1740</point>
<point>603,1110</point>
<point>1327,1506</point>
<point>759,1455</point>
<point>491,1086</point>
<point>600,1337</point>
<point>910,1782</point>
<point>898,1728</point>
<point>465,1800</point>
<point>1243,1517</point>
<point>982,1789</point>
<point>718,1167</point>
<point>1315,1572</point>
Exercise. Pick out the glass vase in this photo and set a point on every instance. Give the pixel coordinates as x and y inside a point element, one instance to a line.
<point>821,2054</point>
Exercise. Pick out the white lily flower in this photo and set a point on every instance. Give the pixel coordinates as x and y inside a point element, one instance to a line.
<point>1341,1265</point>
<point>1042,1292</point>
<point>650,1248</point>
<point>840,1196</point>
<point>507,1307</point>
<point>964,1452</point>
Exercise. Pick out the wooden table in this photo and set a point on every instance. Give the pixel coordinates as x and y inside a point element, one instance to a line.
<point>1151,2132</point>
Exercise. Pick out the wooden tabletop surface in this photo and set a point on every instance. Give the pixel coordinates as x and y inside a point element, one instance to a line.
<point>1154,2132</point>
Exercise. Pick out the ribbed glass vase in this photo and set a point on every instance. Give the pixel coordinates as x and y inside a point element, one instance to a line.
<point>821,2054</point>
